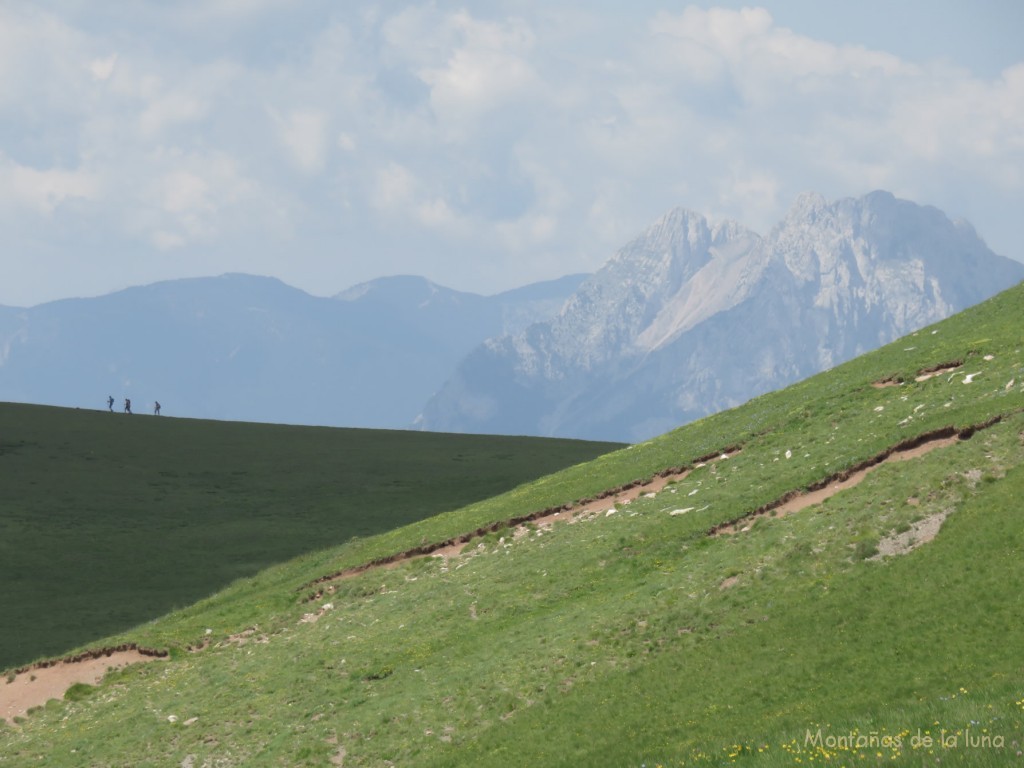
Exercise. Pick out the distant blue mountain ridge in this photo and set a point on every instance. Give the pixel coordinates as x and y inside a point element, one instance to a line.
<point>251,348</point>
<point>688,318</point>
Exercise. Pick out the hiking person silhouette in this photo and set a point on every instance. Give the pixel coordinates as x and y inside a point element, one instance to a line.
<point>127,405</point>
<point>110,403</point>
<point>156,408</point>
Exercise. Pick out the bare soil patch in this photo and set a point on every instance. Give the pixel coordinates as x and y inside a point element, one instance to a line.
<point>34,686</point>
<point>582,509</point>
<point>937,370</point>
<point>920,533</point>
<point>795,501</point>
<point>884,383</point>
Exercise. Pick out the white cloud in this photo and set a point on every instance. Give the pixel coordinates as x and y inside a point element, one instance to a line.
<point>102,69</point>
<point>394,186</point>
<point>194,198</point>
<point>182,192</point>
<point>397,192</point>
<point>44,63</point>
<point>471,65</point>
<point>167,109</point>
<point>304,134</point>
<point>167,241</point>
<point>753,191</point>
<point>43,190</point>
<point>436,214</point>
<point>746,46</point>
<point>528,231</point>
<point>488,66</point>
<point>536,143</point>
<point>704,45</point>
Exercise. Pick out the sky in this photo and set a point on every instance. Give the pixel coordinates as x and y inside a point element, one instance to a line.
<point>484,145</point>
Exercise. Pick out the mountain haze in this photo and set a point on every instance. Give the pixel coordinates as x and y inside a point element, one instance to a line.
<point>252,348</point>
<point>821,576</point>
<point>693,317</point>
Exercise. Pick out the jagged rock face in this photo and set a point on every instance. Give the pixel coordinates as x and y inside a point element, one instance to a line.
<point>690,318</point>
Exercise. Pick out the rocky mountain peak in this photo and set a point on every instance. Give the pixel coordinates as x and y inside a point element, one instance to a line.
<point>692,317</point>
<point>805,206</point>
<point>640,287</point>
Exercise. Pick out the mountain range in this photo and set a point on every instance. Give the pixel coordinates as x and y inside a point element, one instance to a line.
<point>693,317</point>
<point>250,348</point>
<point>689,318</point>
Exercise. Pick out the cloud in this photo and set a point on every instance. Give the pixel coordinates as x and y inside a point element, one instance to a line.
<point>527,231</point>
<point>753,191</point>
<point>196,198</point>
<point>535,141</point>
<point>304,134</point>
<point>437,214</point>
<point>471,66</point>
<point>487,67</point>
<point>397,192</point>
<point>44,63</point>
<point>43,190</point>
<point>168,108</point>
<point>102,69</point>
<point>395,186</point>
<point>747,47</point>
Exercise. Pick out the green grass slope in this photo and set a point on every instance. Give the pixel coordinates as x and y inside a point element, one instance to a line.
<point>107,521</point>
<point>635,637</point>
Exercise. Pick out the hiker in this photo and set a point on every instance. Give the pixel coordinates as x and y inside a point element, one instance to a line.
<point>127,405</point>
<point>156,408</point>
<point>110,403</point>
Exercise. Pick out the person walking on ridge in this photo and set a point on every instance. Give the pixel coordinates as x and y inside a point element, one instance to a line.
<point>156,408</point>
<point>127,405</point>
<point>110,403</point>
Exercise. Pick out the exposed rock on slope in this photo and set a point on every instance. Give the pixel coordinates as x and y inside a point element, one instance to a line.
<point>690,318</point>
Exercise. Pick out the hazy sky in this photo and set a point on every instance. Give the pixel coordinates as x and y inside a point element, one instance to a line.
<point>481,144</point>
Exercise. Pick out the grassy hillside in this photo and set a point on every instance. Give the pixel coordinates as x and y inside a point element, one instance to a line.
<point>635,636</point>
<point>108,520</point>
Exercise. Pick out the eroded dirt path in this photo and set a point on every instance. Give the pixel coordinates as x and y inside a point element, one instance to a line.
<point>922,375</point>
<point>795,501</point>
<point>573,512</point>
<point>34,686</point>
<point>605,503</point>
